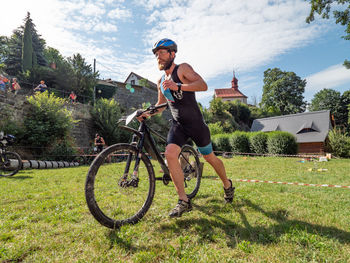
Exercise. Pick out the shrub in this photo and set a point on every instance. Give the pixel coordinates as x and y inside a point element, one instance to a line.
<point>106,114</point>
<point>281,143</point>
<point>239,142</point>
<point>62,151</point>
<point>221,142</point>
<point>258,142</point>
<point>46,122</point>
<point>339,143</point>
<point>215,128</point>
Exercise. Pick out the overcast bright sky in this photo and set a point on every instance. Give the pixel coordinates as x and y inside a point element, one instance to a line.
<point>214,36</point>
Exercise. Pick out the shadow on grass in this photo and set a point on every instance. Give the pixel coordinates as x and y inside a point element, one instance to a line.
<point>205,227</point>
<point>18,177</point>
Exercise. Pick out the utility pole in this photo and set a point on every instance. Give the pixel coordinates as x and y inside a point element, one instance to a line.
<point>94,95</point>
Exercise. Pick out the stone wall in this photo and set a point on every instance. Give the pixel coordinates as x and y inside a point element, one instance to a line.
<point>84,130</point>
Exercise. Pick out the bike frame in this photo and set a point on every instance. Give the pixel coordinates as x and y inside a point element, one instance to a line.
<point>143,139</point>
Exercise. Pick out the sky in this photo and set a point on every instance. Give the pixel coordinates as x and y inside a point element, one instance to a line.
<point>216,37</point>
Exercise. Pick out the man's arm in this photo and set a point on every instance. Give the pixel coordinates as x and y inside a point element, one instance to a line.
<point>161,100</point>
<point>191,80</point>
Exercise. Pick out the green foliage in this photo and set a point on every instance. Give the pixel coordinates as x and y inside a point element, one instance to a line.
<point>239,142</point>
<point>258,142</point>
<point>106,114</point>
<point>84,79</point>
<point>339,143</point>
<point>215,128</point>
<point>218,112</point>
<point>341,15</point>
<point>27,48</point>
<point>343,116</point>
<point>221,142</point>
<point>279,142</point>
<point>46,122</point>
<point>283,92</point>
<point>328,99</point>
<point>8,124</point>
<point>63,150</point>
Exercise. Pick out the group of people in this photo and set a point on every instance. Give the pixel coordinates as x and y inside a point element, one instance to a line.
<point>13,86</point>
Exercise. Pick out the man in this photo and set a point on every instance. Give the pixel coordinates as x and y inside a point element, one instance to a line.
<point>177,87</point>
<point>41,87</point>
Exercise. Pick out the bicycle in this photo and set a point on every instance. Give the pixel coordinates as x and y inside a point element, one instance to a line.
<point>10,162</point>
<point>120,183</point>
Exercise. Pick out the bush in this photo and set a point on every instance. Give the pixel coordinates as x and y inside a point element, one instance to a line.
<point>258,142</point>
<point>106,114</point>
<point>46,122</point>
<point>239,142</point>
<point>215,128</point>
<point>221,142</point>
<point>62,151</point>
<point>339,143</point>
<point>281,143</point>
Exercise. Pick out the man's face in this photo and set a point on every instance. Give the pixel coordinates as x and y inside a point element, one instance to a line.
<point>165,59</point>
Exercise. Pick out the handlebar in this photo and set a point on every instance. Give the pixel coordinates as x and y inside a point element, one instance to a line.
<point>152,109</point>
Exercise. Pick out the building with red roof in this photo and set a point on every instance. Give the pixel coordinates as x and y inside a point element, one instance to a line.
<point>231,94</point>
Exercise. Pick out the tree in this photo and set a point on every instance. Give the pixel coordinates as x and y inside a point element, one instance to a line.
<point>328,99</point>
<point>27,48</point>
<point>13,58</point>
<point>341,15</point>
<point>84,79</point>
<point>218,113</point>
<point>283,92</point>
<point>344,110</point>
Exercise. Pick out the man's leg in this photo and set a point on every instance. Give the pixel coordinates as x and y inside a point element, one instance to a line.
<point>172,154</point>
<point>219,168</point>
<point>184,204</point>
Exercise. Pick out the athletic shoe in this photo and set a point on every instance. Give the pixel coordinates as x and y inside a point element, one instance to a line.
<point>229,193</point>
<point>181,207</point>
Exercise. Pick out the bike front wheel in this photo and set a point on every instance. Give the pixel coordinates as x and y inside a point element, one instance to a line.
<point>116,192</point>
<point>10,163</point>
<point>190,165</point>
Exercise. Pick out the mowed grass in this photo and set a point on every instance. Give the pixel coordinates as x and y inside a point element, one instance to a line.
<point>44,218</point>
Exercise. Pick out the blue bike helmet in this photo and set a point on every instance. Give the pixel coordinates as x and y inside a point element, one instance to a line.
<point>165,43</point>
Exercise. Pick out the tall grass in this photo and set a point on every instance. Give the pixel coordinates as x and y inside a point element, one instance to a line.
<point>44,218</point>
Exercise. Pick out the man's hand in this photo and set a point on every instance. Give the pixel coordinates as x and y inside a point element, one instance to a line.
<point>169,84</point>
<point>143,116</point>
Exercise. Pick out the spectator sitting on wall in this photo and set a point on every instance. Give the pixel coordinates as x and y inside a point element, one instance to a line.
<point>41,87</point>
<point>73,97</point>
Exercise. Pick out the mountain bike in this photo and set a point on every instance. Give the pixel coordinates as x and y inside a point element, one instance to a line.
<point>120,183</point>
<point>10,162</point>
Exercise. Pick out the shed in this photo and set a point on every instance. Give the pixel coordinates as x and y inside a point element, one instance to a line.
<point>310,128</point>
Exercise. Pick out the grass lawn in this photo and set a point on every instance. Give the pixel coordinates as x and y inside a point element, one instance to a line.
<point>44,218</point>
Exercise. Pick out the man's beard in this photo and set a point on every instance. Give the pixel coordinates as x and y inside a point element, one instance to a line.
<point>166,65</point>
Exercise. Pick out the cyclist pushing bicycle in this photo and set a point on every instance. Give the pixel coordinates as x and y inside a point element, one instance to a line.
<point>177,87</point>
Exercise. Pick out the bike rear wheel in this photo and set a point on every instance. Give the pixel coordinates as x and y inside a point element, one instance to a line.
<point>10,163</point>
<point>190,165</point>
<point>114,197</point>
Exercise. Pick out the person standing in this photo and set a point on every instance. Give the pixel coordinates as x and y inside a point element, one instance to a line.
<point>177,87</point>
<point>73,97</point>
<point>15,86</point>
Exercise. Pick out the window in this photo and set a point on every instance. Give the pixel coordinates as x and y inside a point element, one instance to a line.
<point>132,82</point>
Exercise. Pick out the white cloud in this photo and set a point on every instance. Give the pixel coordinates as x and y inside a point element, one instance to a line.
<point>328,78</point>
<point>119,13</point>
<point>215,36</point>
